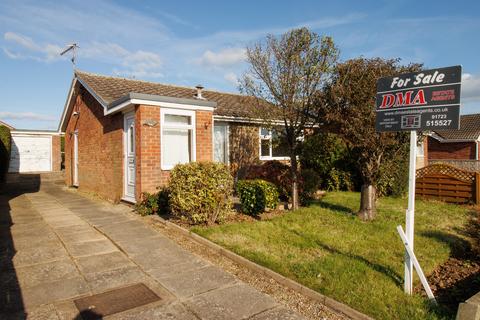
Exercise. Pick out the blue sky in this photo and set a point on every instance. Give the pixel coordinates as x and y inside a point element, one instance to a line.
<point>191,42</point>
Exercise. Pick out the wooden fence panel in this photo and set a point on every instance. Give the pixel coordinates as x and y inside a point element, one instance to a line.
<point>446,183</point>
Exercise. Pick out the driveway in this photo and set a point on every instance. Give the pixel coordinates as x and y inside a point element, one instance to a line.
<point>58,247</point>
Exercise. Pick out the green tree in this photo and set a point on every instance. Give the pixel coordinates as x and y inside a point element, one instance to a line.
<point>286,72</point>
<point>347,105</point>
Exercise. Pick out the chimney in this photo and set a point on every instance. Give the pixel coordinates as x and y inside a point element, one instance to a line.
<point>199,96</point>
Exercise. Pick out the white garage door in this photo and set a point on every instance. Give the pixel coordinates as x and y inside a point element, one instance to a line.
<point>31,153</point>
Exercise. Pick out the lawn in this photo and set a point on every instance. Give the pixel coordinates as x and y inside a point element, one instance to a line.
<point>327,248</point>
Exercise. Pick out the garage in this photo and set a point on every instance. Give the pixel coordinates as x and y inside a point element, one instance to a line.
<point>32,151</point>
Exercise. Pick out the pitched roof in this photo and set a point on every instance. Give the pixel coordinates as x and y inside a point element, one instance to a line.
<point>469,129</point>
<point>6,125</point>
<point>111,89</point>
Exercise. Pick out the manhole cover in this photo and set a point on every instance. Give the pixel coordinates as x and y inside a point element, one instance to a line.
<point>117,300</point>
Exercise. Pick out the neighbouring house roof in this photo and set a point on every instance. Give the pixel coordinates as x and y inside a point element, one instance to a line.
<point>114,90</point>
<point>6,125</point>
<point>469,129</point>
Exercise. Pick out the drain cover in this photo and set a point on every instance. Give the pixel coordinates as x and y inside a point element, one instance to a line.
<point>117,300</point>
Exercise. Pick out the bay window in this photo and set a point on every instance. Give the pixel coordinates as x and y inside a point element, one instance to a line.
<point>272,145</point>
<point>177,137</point>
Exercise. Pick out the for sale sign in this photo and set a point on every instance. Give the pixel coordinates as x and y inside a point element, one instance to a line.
<point>424,100</point>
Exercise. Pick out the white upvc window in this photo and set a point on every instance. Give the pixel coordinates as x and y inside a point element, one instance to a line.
<point>177,137</point>
<point>271,145</point>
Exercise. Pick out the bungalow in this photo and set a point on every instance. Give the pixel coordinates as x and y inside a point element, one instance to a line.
<point>123,136</point>
<point>456,147</point>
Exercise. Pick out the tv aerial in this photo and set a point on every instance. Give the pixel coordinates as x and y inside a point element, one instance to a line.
<point>71,47</point>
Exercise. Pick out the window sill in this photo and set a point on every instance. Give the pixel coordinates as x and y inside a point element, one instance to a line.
<point>274,158</point>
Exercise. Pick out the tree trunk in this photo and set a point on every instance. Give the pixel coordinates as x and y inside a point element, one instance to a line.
<point>294,172</point>
<point>368,198</point>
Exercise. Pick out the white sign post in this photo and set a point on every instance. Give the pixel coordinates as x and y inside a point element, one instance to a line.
<point>425,100</point>
<point>410,214</point>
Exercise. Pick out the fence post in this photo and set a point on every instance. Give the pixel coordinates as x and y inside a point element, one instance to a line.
<point>477,187</point>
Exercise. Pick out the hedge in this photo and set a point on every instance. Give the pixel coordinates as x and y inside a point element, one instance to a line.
<point>5,150</point>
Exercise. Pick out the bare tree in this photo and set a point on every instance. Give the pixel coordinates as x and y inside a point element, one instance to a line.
<point>287,72</point>
<point>347,106</point>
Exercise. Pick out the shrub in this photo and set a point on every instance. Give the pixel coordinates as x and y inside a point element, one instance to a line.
<point>154,203</point>
<point>5,149</point>
<point>256,195</point>
<point>200,192</point>
<point>148,204</point>
<point>311,183</point>
<point>329,156</point>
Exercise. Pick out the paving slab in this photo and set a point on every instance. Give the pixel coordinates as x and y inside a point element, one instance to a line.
<point>48,252</point>
<point>236,302</point>
<point>188,283</point>
<point>110,279</point>
<point>51,292</point>
<point>174,311</point>
<point>103,262</point>
<point>34,275</point>
<point>88,248</point>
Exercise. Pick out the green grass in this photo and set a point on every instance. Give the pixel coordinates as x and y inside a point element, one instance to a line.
<point>327,248</point>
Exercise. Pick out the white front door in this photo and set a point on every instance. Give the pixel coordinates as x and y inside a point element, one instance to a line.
<point>220,147</point>
<point>75,158</point>
<point>129,154</point>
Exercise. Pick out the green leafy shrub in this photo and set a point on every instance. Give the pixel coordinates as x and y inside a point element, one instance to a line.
<point>154,203</point>
<point>329,156</point>
<point>311,183</point>
<point>5,149</point>
<point>200,192</point>
<point>256,195</point>
<point>148,204</point>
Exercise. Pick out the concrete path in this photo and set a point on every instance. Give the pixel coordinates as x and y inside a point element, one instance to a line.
<point>57,245</point>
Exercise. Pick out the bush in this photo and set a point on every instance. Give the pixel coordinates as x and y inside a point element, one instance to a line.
<point>256,195</point>
<point>200,192</point>
<point>311,183</point>
<point>156,203</point>
<point>5,149</point>
<point>148,204</point>
<point>329,157</point>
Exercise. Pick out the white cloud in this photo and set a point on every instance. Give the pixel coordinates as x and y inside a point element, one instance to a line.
<point>48,52</point>
<point>26,116</point>
<point>223,58</point>
<point>470,87</point>
<point>232,78</point>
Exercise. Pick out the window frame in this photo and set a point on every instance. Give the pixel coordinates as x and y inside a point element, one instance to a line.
<point>191,127</point>
<point>267,137</point>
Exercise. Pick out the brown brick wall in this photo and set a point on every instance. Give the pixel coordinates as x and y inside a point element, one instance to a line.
<point>147,147</point>
<point>204,135</point>
<point>100,148</point>
<point>450,150</point>
<point>56,154</point>
<point>244,146</point>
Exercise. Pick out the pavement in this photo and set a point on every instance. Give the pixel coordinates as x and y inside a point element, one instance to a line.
<point>57,245</point>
